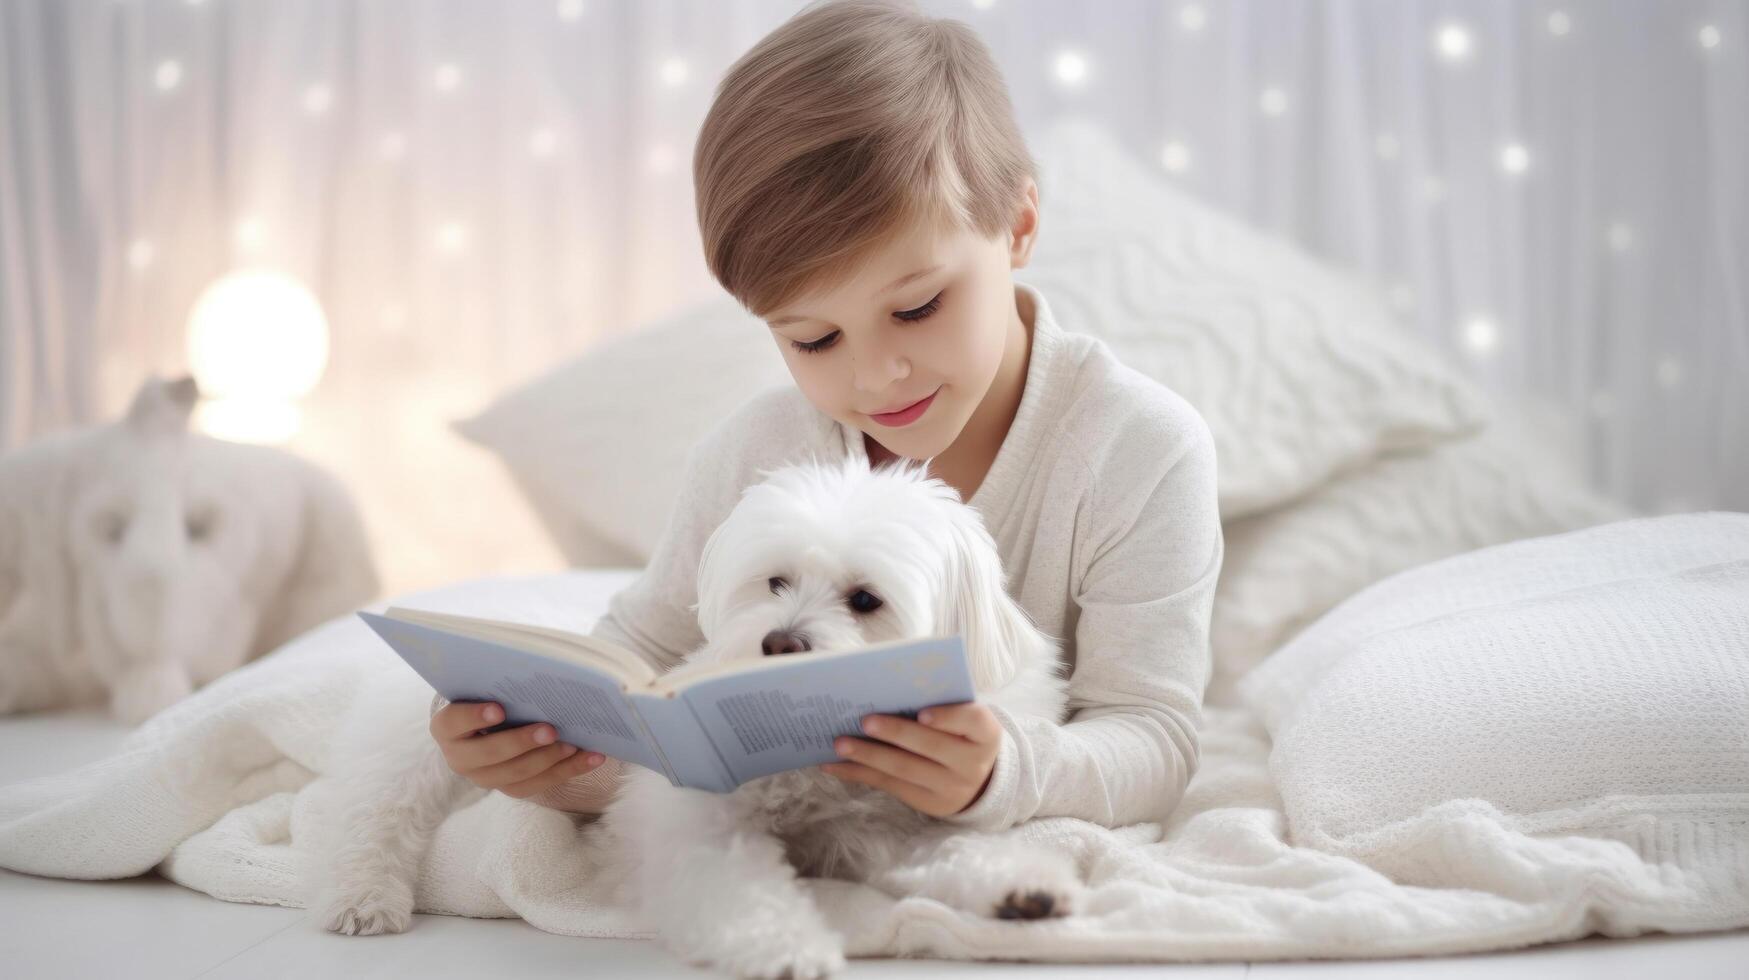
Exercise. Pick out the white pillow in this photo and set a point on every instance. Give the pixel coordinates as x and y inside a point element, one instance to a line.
<point>599,443</point>
<point>1297,366</point>
<point>1594,682</point>
<point>1287,566</point>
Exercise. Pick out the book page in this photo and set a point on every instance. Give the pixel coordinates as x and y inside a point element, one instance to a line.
<point>536,639</point>
<point>586,705</point>
<point>772,719</point>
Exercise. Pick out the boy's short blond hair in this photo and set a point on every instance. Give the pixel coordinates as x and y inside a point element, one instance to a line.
<point>852,122</point>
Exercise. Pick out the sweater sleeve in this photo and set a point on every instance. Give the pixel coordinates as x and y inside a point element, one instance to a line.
<point>1143,659</point>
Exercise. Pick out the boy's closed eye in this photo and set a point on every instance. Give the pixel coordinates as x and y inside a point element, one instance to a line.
<point>911,316</point>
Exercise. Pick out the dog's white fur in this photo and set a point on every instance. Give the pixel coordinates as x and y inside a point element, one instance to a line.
<point>716,873</point>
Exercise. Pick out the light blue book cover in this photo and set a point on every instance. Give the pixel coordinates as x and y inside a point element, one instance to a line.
<point>710,728</point>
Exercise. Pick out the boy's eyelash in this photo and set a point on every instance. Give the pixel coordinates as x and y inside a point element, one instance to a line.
<point>920,313</point>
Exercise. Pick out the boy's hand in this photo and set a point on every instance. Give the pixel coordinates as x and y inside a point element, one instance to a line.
<point>515,762</point>
<point>939,764</point>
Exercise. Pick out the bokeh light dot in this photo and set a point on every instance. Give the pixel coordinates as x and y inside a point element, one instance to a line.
<point>1454,43</point>
<point>1514,159</point>
<point>317,99</point>
<point>1175,157</point>
<point>674,72</point>
<point>1669,372</point>
<point>168,75</point>
<point>1481,335</point>
<point>1070,67</point>
<point>542,143</point>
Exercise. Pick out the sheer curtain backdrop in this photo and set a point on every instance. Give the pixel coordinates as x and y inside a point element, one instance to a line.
<point>1553,192</point>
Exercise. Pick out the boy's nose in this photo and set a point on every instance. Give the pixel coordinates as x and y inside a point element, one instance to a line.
<point>784,641</point>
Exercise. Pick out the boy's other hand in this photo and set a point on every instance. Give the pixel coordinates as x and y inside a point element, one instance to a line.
<point>522,762</point>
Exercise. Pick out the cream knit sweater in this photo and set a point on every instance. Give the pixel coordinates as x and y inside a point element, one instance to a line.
<point>1102,503</point>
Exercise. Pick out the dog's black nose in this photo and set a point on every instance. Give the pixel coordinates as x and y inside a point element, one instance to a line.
<point>783,641</point>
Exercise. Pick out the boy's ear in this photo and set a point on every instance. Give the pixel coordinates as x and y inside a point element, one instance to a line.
<point>1025,230</point>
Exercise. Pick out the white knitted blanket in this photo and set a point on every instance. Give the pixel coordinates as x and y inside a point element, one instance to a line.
<point>220,793</point>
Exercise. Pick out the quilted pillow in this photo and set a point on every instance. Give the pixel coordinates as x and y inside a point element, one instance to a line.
<point>1287,566</point>
<point>1591,683</point>
<point>1298,367</point>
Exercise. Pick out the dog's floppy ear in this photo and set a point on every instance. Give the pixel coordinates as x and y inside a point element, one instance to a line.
<point>975,604</point>
<point>705,604</point>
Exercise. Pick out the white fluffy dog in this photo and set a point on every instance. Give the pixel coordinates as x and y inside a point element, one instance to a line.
<point>815,557</point>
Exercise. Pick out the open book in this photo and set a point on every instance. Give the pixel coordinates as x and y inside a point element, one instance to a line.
<point>706,726</point>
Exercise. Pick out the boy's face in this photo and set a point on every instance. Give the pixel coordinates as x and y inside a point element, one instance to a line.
<point>884,347</point>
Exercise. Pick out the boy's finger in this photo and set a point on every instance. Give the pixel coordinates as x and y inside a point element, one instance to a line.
<point>525,766</point>
<point>460,719</point>
<point>481,751</point>
<point>560,774</point>
<point>968,719</point>
<point>927,741</point>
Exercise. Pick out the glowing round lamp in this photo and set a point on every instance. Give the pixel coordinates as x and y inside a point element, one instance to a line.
<point>257,342</point>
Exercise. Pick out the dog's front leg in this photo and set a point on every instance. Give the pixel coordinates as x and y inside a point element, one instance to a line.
<point>388,808</point>
<point>717,886</point>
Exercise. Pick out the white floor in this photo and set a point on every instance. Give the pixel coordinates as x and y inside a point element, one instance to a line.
<point>148,927</point>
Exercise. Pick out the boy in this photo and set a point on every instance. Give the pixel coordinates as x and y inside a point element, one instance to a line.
<point>862,187</point>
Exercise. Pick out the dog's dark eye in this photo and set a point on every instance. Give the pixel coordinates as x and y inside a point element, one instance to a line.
<point>863,601</point>
<point>775,584</point>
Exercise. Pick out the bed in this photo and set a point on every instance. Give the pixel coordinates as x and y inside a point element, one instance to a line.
<point>156,927</point>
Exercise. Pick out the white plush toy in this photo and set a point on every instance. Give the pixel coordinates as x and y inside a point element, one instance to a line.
<point>139,561</point>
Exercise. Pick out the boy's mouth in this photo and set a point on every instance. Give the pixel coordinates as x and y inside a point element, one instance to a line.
<point>908,414</point>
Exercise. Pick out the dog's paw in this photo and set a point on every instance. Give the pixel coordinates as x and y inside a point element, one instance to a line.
<point>1038,903</point>
<point>371,912</point>
<point>1049,887</point>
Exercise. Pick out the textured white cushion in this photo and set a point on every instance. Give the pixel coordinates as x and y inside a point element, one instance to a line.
<point>1296,367</point>
<point>1287,566</point>
<point>1594,683</point>
<point>599,444</point>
